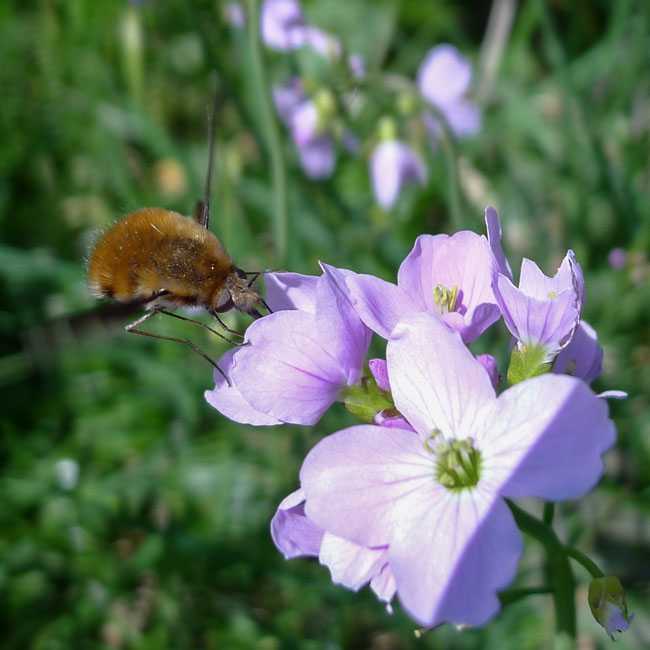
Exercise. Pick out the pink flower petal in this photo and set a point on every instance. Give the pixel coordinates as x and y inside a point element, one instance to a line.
<point>285,371</point>
<point>351,565</point>
<point>383,584</point>
<point>582,357</point>
<point>379,370</point>
<point>436,381</point>
<point>353,479</point>
<point>230,402</point>
<point>291,291</point>
<point>380,304</point>
<point>453,555</point>
<point>545,438</point>
<point>293,533</point>
<point>493,227</point>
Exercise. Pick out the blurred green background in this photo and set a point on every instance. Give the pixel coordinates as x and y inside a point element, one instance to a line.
<point>132,514</point>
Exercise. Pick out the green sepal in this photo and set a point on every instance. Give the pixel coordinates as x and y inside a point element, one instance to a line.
<point>527,362</point>
<point>366,399</point>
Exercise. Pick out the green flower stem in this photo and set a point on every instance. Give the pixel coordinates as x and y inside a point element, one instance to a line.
<point>273,142</point>
<point>511,595</point>
<point>549,511</point>
<point>399,84</point>
<point>563,594</point>
<point>582,559</point>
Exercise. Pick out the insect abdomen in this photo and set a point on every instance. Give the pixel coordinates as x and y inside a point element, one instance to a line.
<point>152,250</point>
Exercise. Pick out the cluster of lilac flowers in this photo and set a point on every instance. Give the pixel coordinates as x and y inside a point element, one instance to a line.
<point>412,501</point>
<point>317,122</point>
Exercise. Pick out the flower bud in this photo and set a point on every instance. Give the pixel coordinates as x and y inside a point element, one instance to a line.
<point>607,604</point>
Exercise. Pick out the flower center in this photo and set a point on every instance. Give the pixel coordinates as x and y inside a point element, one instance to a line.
<point>445,299</point>
<point>458,462</point>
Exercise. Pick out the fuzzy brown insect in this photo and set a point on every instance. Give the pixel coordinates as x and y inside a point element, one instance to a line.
<point>163,259</point>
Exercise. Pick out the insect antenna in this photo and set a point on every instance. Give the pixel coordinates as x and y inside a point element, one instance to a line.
<point>202,211</point>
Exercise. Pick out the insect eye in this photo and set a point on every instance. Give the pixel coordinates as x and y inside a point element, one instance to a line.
<point>242,274</point>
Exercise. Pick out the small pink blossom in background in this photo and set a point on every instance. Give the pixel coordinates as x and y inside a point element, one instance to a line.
<point>617,258</point>
<point>284,27</point>
<point>444,78</point>
<point>392,165</point>
<point>316,149</point>
<point>282,24</point>
<point>235,14</point>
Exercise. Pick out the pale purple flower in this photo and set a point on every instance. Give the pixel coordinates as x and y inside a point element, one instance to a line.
<point>447,276</point>
<point>284,27</point>
<point>444,77</point>
<point>318,157</point>
<point>392,165</point>
<point>287,98</point>
<point>617,258</point>
<point>433,498</point>
<point>582,357</point>
<point>357,66</point>
<point>543,311</point>
<point>316,148</point>
<point>320,41</point>
<point>282,24</point>
<point>295,362</point>
<point>350,565</point>
<point>235,14</point>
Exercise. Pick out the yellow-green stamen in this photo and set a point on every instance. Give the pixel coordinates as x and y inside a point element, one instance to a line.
<point>445,299</point>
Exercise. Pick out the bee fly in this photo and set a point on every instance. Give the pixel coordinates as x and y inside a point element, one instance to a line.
<point>162,259</point>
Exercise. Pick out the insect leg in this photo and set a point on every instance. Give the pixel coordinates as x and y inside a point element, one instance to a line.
<point>131,327</point>
<point>204,326</point>
<point>225,327</point>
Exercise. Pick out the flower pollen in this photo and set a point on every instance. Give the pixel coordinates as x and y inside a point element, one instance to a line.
<point>445,299</point>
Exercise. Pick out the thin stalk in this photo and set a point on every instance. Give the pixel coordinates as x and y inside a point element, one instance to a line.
<point>272,137</point>
<point>549,511</point>
<point>563,594</point>
<point>586,562</point>
<point>511,595</point>
<point>397,83</point>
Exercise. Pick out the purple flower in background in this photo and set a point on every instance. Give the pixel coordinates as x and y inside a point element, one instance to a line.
<point>392,165</point>
<point>543,311</point>
<point>300,114</point>
<point>433,498</point>
<point>444,77</point>
<point>282,24</point>
<point>351,565</point>
<point>617,258</point>
<point>447,276</point>
<point>582,357</point>
<point>296,361</point>
<point>234,14</point>
<point>284,27</point>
